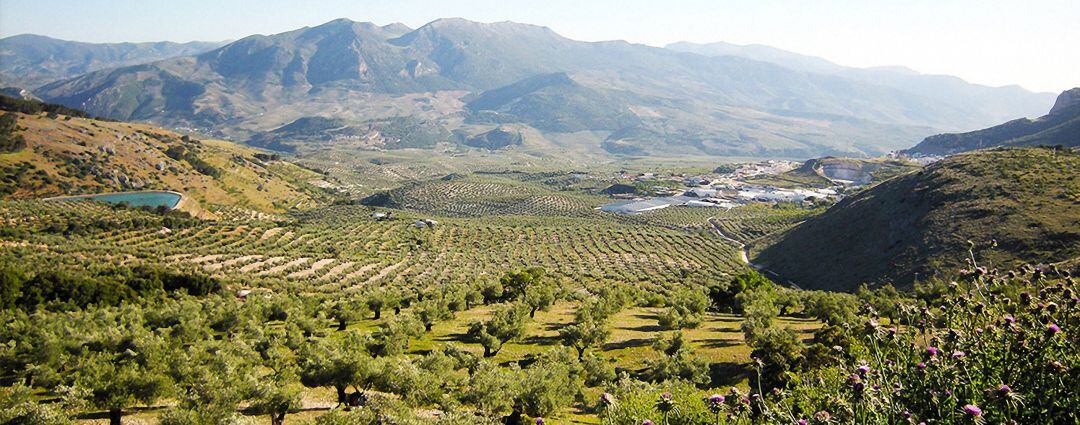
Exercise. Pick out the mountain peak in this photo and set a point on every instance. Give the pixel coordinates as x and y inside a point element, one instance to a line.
<point>1066,99</point>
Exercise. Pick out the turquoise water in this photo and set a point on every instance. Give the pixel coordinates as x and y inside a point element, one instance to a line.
<point>137,199</point>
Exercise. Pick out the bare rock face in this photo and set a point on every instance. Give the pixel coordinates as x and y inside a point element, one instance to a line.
<point>1066,99</point>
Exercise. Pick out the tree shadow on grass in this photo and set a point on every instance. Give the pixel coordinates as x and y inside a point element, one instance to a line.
<point>542,340</point>
<point>630,343</point>
<point>719,342</point>
<point>455,337</point>
<point>727,374</point>
<point>647,328</point>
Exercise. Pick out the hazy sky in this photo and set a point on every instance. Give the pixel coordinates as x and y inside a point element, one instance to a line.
<point>1033,43</point>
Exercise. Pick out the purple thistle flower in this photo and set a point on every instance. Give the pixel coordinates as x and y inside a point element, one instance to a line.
<point>801,422</point>
<point>1004,390</point>
<point>716,399</point>
<point>1009,319</point>
<point>666,396</point>
<point>647,422</point>
<point>1053,328</point>
<point>957,355</point>
<point>863,370</point>
<point>932,351</point>
<point>921,365</point>
<point>972,410</point>
<point>539,421</point>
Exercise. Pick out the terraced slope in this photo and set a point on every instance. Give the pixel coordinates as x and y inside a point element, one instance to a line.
<point>1014,205</point>
<point>343,248</point>
<point>481,197</point>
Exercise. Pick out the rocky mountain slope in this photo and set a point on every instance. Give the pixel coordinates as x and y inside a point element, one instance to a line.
<point>28,61</point>
<point>646,100</point>
<point>1015,205</point>
<point>1059,127</point>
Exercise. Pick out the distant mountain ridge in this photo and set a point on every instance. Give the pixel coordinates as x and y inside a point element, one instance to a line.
<point>1061,126</point>
<point>28,61</point>
<point>621,98</point>
<point>994,104</point>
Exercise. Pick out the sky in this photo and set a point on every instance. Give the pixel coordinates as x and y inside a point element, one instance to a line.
<point>1031,43</point>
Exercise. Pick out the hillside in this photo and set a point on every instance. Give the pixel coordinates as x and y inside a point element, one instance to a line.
<point>33,60</point>
<point>918,224</point>
<point>65,155</point>
<point>1061,126</point>
<point>552,102</point>
<point>645,100</point>
<point>314,133</point>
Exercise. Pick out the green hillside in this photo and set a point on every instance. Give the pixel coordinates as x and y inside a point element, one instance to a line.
<point>918,224</point>
<point>552,102</point>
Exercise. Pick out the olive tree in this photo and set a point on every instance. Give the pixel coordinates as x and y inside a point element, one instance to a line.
<point>505,325</point>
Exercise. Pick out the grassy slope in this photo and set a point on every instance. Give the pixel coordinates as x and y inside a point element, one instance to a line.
<point>1028,200</point>
<point>115,148</point>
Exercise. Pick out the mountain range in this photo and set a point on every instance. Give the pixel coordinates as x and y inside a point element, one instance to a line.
<point>28,61</point>
<point>614,97</point>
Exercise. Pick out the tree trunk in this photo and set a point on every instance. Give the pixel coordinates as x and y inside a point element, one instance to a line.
<point>427,326</point>
<point>28,381</point>
<point>580,352</point>
<point>514,418</point>
<point>277,418</point>
<point>341,324</point>
<point>397,310</point>
<point>378,313</point>
<point>532,313</point>
<point>487,351</point>
<point>342,397</point>
<point>114,416</point>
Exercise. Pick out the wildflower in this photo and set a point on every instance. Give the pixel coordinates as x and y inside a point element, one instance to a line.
<point>1003,390</point>
<point>666,403</point>
<point>972,410</point>
<point>1053,328</point>
<point>863,370</point>
<point>607,399</point>
<point>647,422</point>
<point>822,416</point>
<point>1009,319</point>
<point>932,351</point>
<point>715,403</point>
<point>957,355</point>
<point>539,421</point>
<point>921,365</point>
<point>801,422</point>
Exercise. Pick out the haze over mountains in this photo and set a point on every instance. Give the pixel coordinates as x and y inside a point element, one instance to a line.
<point>28,61</point>
<point>1061,126</point>
<point>595,97</point>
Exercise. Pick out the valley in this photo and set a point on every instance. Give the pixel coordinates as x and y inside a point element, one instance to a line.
<point>454,222</point>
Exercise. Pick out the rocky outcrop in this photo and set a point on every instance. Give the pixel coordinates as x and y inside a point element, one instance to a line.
<point>1066,100</point>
